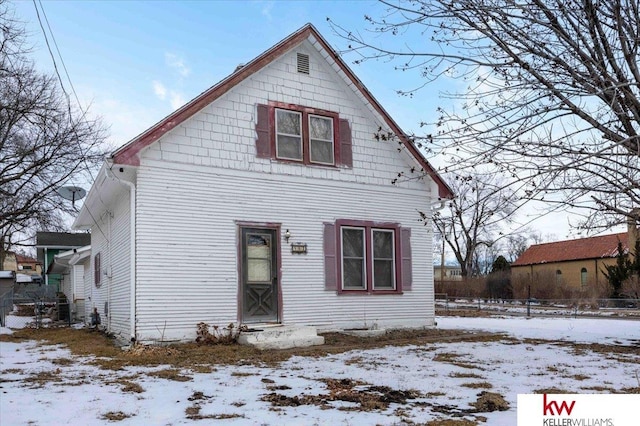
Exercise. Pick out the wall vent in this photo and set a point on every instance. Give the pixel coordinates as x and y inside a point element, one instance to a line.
<point>303,63</point>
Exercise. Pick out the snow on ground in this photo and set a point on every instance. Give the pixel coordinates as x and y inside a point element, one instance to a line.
<point>448,376</point>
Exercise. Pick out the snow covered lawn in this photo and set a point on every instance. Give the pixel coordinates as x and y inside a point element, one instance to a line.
<point>414,384</point>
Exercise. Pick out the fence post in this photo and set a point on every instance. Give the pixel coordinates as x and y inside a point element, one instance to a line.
<point>529,301</point>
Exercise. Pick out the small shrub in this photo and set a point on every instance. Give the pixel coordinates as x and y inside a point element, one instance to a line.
<point>218,336</point>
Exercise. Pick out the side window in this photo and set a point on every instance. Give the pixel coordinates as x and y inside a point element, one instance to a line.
<point>583,277</point>
<point>97,269</point>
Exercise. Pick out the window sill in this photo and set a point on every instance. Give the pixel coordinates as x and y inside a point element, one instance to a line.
<point>368,292</point>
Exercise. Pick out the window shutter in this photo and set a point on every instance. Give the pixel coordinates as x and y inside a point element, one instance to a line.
<point>346,157</point>
<point>405,247</point>
<point>263,141</point>
<point>330,264</point>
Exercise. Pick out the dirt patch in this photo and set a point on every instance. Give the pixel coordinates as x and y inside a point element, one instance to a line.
<point>115,416</point>
<point>490,401</point>
<point>361,396</point>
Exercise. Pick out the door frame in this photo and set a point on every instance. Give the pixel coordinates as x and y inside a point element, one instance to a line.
<point>271,226</point>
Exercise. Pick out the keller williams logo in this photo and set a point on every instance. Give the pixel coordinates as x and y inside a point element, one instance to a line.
<point>548,407</point>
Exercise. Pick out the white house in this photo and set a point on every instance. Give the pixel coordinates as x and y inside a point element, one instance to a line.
<point>268,199</point>
<point>74,266</point>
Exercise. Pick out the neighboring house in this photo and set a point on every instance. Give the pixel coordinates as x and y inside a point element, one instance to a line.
<point>22,264</point>
<point>268,199</point>
<point>575,263</point>
<point>448,273</point>
<point>49,244</point>
<point>74,267</point>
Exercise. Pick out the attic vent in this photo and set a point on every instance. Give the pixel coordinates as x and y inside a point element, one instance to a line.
<point>303,63</point>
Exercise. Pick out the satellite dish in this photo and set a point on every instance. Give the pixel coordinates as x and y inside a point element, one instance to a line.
<point>71,193</point>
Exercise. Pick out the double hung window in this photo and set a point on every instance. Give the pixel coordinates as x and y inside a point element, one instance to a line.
<point>368,258</point>
<point>305,137</point>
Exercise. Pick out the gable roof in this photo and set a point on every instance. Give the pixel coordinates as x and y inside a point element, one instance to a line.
<point>604,246</point>
<point>128,153</point>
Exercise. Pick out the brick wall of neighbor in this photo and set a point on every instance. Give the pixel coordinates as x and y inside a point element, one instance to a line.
<point>571,271</point>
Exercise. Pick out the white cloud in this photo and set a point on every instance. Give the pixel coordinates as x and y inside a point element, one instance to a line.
<point>159,90</point>
<point>177,62</point>
<point>177,100</point>
<point>266,9</point>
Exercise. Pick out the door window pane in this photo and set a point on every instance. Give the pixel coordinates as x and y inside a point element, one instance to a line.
<point>353,258</point>
<point>258,258</point>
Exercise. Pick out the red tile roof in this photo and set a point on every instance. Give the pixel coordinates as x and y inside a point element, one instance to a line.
<point>584,248</point>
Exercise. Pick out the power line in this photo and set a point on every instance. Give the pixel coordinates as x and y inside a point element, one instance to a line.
<point>83,112</point>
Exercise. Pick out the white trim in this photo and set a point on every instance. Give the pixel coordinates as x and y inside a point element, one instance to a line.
<point>364,257</point>
<point>301,135</point>
<point>332,140</point>
<point>393,259</point>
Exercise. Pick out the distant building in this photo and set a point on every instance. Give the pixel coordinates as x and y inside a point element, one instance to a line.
<point>575,263</point>
<point>48,244</point>
<point>21,264</point>
<point>449,273</point>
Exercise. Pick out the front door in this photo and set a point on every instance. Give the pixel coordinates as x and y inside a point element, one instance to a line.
<point>259,257</point>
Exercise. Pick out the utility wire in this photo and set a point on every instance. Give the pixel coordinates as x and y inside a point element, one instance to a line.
<point>83,112</point>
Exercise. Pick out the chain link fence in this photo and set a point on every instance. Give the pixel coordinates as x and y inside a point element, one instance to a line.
<point>624,308</point>
<point>33,306</point>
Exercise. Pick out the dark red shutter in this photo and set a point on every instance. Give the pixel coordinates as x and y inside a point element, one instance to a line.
<point>263,141</point>
<point>346,157</point>
<point>405,244</point>
<point>330,263</point>
<point>97,267</point>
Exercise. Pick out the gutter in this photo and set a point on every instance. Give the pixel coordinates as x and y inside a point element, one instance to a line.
<point>132,252</point>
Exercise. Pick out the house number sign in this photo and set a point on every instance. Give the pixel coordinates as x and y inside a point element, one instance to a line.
<point>298,248</point>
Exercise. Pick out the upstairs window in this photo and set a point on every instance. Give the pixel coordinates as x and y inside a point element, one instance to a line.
<point>97,269</point>
<point>310,136</point>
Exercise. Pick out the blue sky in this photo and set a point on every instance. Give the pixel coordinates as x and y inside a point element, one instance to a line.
<point>134,62</point>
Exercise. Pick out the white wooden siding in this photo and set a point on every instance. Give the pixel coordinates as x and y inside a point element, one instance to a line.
<point>199,180</point>
<point>110,238</point>
<point>187,259</point>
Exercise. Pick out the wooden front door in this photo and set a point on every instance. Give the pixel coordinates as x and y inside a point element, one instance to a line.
<point>259,252</point>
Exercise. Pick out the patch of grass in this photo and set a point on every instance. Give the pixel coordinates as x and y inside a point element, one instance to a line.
<point>602,389</point>
<point>128,386</point>
<point>452,422</point>
<point>551,391</point>
<point>457,375</point>
<point>171,374</point>
<point>488,402</point>
<point>115,416</point>
<point>478,385</point>
<point>630,390</point>
<point>578,377</point>
<point>38,380</point>
<point>11,371</point>
<point>434,394</point>
<point>63,361</point>
<point>242,374</point>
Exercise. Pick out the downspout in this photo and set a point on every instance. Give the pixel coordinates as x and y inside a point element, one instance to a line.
<point>132,257</point>
<point>132,253</point>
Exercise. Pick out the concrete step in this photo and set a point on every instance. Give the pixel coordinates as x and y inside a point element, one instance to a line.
<point>280,337</point>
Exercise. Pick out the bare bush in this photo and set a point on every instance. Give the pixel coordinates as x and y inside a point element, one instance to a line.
<point>218,335</point>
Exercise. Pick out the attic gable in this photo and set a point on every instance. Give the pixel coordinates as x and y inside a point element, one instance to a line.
<point>129,153</point>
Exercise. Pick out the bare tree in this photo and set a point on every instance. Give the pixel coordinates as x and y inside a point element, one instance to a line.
<point>44,142</point>
<point>474,218</point>
<point>550,98</point>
